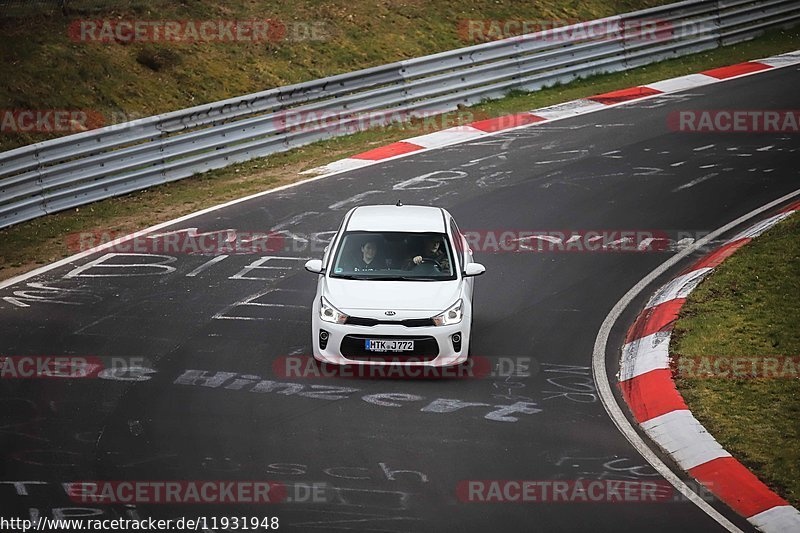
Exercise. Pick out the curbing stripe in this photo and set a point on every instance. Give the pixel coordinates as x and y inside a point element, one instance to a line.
<point>736,485</point>
<point>684,438</point>
<point>792,207</point>
<point>758,229</point>
<point>505,122</point>
<point>747,67</point>
<point>715,258</point>
<point>390,150</point>
<point>342,165</point>
<point>646,384</point>
<point>680,287</point>
<point>784,60</point>
<point>655,319</point>
<point>447,137</point>
<point>624,95</point>
<point>780,518</point>
<point>568,109</point>
<point>682,83</point>
<point>643,355</point>
<point>652,395</point>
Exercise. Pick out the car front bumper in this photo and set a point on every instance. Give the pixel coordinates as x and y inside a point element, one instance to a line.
<point>343,339</point>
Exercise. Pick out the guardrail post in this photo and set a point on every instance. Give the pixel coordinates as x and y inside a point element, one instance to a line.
<point>718,23</point>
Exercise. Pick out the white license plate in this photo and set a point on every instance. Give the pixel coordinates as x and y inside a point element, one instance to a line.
<point>375,345</point>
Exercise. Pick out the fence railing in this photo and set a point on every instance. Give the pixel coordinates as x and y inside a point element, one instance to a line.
<point>59,174</point>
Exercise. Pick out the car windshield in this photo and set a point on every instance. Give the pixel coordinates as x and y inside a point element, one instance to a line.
<point>394,256</point>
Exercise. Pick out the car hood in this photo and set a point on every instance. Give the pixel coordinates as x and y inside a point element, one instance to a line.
<point>415,298</point>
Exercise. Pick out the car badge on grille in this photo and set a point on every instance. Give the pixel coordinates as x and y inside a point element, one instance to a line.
<point>390,313</point>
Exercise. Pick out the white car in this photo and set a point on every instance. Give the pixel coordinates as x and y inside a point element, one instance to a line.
<point>395,287</point>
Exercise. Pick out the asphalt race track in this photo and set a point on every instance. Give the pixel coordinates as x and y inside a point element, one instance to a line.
<point>390,453</point>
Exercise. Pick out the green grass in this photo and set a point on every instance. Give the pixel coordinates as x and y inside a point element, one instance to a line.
<point>749,306</point>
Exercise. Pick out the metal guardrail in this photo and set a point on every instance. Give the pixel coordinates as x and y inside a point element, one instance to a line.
<point>59,174</point>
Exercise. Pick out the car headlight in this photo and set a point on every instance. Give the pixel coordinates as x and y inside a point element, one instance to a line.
<point>451,316</point>
<point>329,313</point>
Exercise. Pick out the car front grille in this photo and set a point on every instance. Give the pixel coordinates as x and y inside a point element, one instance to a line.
<point>409,323</point>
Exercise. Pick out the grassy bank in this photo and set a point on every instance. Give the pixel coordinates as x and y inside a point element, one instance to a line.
<point>749,307</point>
<point>47,69</point>
<point>43,240</point>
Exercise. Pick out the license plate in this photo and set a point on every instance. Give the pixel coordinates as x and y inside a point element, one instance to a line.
<point>375,345</point>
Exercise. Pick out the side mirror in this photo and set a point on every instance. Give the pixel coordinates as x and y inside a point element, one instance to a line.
<point>315,266</point>
<point>474,269</point>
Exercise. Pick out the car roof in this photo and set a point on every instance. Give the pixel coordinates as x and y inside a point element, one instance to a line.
<point>413,218</point>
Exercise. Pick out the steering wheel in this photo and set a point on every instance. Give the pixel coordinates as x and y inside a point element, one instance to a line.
<point>434,261</point>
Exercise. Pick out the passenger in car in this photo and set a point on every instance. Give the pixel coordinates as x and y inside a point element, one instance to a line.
<point>368,260</point>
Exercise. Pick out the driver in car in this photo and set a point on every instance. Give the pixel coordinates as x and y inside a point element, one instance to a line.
<point>432,251</point>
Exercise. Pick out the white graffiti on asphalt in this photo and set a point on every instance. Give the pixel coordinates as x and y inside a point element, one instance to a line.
<point>233,381</point>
